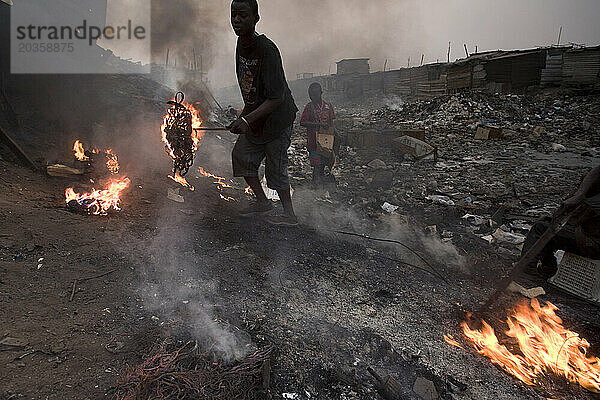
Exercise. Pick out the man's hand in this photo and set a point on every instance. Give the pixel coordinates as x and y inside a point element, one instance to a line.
<point>239,127</point>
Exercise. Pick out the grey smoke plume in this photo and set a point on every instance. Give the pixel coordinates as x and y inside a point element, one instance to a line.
<point>184,27</point>
<point>176,287</point>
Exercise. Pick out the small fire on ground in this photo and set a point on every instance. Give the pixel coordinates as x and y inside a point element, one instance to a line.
<point>100,202</point>
<point>112,162</point>
<point>181,180</point>
<point>545,346</point>
<point>79,151</point>
<point>219,182</point>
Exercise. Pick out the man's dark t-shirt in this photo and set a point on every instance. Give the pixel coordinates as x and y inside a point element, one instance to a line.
<point>260,76</point>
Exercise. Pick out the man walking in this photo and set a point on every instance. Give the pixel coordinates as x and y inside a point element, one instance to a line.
<point>265,124</point>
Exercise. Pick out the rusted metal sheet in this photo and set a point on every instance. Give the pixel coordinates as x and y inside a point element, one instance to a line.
<point>581,66</point>
<point>552,73</point>
<point>459,76</point>
<point>516,71</point>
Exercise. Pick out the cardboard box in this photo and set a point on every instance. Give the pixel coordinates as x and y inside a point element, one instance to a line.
<point>485,132</point>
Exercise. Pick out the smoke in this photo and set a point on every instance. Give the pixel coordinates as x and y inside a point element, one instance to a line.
<point>176,287</point>
<point>389,226</point>
<point>188,29</point>
<point>313,34</point>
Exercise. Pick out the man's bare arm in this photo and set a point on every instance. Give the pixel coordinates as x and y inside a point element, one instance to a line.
<point>241,126</point>
<point>266,108</point>
<point>591,180</point>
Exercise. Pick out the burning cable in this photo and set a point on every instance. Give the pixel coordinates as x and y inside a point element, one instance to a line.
<point>99,202</point>
<point>181,141</point>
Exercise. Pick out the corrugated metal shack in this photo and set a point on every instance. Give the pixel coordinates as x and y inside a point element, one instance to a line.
<point>581,66</point>
<point>494,72</point>
<point>498,71</point>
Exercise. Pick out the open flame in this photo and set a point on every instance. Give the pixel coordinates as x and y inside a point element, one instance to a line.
<point>219,181</point>
<point>181,180</point>
<point>197,134</point>
<point>545,346</point>
<point>79,151</point>
<point>112,162</point>
<point>100,202</point>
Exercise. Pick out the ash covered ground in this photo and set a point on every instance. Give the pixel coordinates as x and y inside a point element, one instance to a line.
<point>330,304</point>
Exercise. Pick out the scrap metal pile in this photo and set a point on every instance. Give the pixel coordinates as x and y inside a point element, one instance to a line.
<point>186,372</point>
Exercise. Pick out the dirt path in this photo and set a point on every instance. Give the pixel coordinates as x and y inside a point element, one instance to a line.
<point>330,305</point>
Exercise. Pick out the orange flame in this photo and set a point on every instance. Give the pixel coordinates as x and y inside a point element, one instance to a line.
<point>219,181</point>
<point>79,151</point>
<point>451,341</point>
<point>112,162</point>
<point>181,180</point>
<point>545,345</point>
<point>197,135</point>
<point>99,202</point>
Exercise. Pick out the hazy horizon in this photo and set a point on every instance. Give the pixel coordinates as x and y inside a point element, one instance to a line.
<point>312,35</point>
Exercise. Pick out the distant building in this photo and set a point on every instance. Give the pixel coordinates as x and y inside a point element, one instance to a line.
<point>305,75</point>
<point>353,66</point>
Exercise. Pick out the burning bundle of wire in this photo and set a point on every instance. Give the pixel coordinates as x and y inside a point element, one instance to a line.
<point>179,135</point>
<point>185,372</point>
<point>87,157</point>
<point>98,202</point>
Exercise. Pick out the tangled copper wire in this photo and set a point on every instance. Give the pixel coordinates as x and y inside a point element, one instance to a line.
<point>178,131</point>
<point>187,373</point>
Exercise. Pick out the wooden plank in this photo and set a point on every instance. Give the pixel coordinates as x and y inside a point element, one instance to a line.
<point>14,146</point>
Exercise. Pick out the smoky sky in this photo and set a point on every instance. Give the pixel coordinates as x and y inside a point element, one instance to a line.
<point>313,34</point>
<point>186,27</point>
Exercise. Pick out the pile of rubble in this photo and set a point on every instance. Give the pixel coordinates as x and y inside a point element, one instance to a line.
<point>546,144</point>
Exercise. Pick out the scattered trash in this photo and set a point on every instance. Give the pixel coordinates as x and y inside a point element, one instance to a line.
<point>502,237</point>
<point>12,343</point>
<point>270,193</point>
<point>388,388</point>
<point>173,194</point>
<point>431,230</point>
<point>414,147</point>
<point>390,208</point>
<point>63,171</point>
<point>377,164</point>
<point>475,219</point>
<point>558,147</point>
<point>485,132</point>
<point>291,396</point>
<point>425,389</point>
<point>443,200</point>
<point>529,293</point>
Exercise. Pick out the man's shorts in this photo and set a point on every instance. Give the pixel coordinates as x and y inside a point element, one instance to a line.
<point>247,157</point>
<point>317,159</point>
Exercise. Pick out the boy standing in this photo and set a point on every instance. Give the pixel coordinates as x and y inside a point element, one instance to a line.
<point>265,124</point>
<point>317,115</point>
